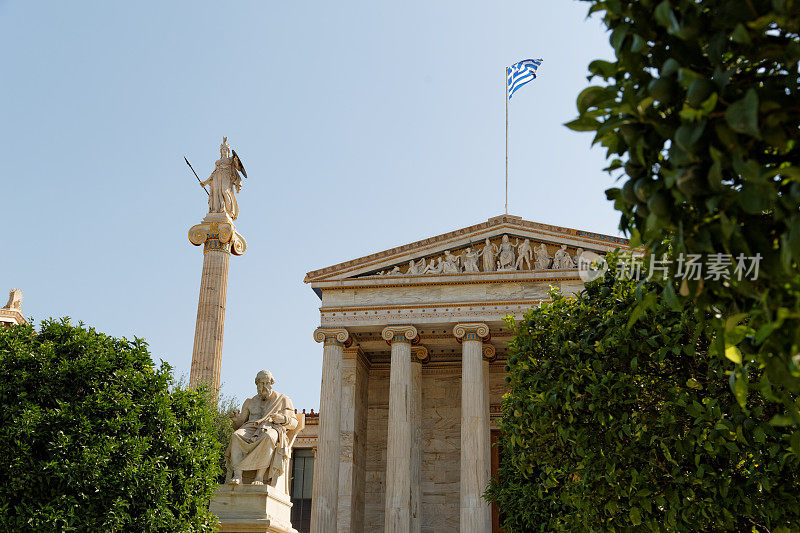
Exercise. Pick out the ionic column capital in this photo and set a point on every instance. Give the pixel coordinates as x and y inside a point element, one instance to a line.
<point>217,236</point>
<point>393,334</point>
<point>471,332</point>
<point>333,336</point>
<point>489,352</point>
<point>419,354</point>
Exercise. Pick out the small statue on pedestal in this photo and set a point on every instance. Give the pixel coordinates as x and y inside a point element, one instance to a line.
<point>225,182</point>
<point>260,441</point>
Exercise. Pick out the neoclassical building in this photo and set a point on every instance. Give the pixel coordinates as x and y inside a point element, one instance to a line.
<point>413,353</point>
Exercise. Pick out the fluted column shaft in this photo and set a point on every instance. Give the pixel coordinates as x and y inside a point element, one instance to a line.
<point>210,326</point>
<point>419,354</point>
<point>219,239</point>
<point>475,512</point>
<point>325,491</point>
<point>397,518</point>
<point>489,355</point>
<point>352,464</point>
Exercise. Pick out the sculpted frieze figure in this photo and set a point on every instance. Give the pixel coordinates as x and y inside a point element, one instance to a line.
<point>451,263</point>
<point>393,272</point>
<point>260,441</point>
<point>524,253</point>
<point>562,259</point>
<point>488,253</point>
<point>434,267</point>
<point>471,260</point>
<point>543,258</point>
<point>507,256</point>
<point>225,182</point>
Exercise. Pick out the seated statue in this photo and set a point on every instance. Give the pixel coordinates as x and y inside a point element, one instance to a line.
<point>260,441</point>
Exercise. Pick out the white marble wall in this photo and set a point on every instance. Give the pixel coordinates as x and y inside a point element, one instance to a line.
<point>350,515</point>
<point>375,468</point>
<point>441,444</point>
<point>359,477</point>
<point>497,382</point>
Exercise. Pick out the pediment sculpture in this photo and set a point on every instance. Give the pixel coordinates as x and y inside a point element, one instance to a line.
<point>14,300</point>
<point>498,255</point>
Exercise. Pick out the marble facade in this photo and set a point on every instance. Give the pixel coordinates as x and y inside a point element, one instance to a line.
<point>414,348</point>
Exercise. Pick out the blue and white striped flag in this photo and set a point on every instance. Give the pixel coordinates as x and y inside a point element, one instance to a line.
<point>521,73</point>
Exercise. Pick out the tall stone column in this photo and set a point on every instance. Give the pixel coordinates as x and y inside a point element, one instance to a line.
<point>475,512</point>
<point>352,455</point>
<point>489,355</point>
<point>219,238</point>
<point>325,491</point>
<point>419,355</point>
<point>397,518</point>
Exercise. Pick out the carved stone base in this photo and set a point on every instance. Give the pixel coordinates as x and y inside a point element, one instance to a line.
<point>252,508</point>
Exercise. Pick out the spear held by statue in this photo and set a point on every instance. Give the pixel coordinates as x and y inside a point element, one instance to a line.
<point>195,175</point>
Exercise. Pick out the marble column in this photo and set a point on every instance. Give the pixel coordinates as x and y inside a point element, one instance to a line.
<point>419,355</point>
<point>325,491</point>
<point>489,355</point>
<point>219,238</point>
<point>475,512</point>
<point>352,467</point>
<point>397,517</point>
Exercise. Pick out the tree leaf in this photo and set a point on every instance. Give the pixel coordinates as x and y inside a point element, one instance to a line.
<point>738,382</point>
<point>795,443</point>
<point>742,116</point>
<point>590,97</point>
<point>666,17</point>
<point>605,69</point>
<point>635,516</point>
<point>688,134</point>
<point>583,124</point>
<point>734,354</point>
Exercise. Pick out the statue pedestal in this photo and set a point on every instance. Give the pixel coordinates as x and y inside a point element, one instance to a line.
<point>252,508</point>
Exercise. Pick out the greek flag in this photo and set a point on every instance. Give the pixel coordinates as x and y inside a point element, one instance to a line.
<point>521,73</point>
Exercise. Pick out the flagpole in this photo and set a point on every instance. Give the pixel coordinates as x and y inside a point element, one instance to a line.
<point>505,81</point>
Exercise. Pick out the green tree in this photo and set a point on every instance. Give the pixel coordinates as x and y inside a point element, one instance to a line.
<point>95,437</point>
<point>223,429</point>
<point>618,424</point>
<point>701,110</point>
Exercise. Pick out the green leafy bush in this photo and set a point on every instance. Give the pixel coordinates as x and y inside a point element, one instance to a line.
<point>223,429</point>
<point>93,437</point>
<point>701,110</point>
<point>618,424</point>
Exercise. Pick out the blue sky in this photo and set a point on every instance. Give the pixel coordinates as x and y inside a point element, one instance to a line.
<point>362,125</point>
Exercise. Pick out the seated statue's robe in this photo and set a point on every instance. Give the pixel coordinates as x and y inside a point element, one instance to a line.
<point>259,444</point>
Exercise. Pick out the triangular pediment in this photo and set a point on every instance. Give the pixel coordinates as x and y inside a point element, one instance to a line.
<point>500,245</point>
